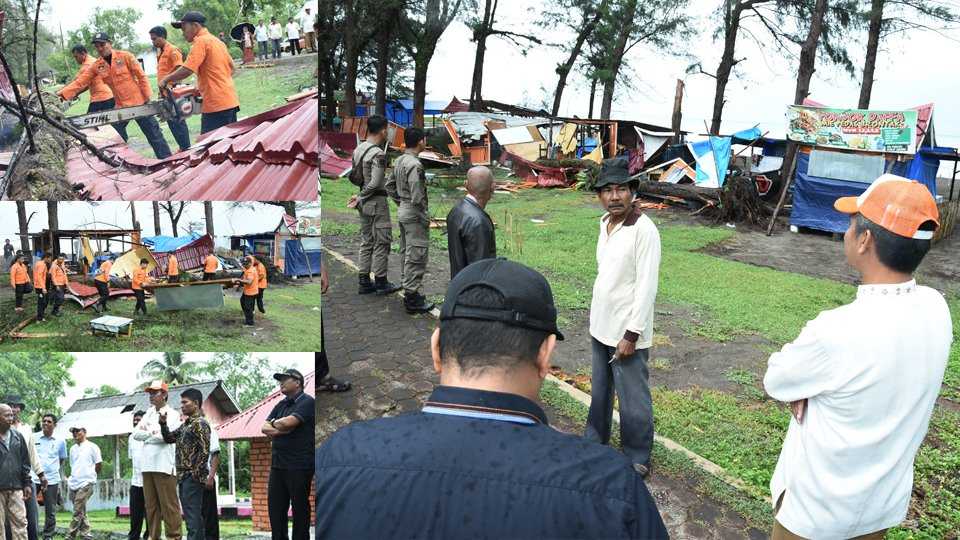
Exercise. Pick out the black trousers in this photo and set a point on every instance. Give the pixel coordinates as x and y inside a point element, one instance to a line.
<point>141,301</point>
<point>294,46</point>
<point>215,120</point>
<point>50,498</point>
<point>207,276</point>
<point>59,293</point>
<point>289,488</point>
<point>19,292</point>
<point>322,355</point>
<point>138,515</point>
<point>260,301</point>
<point>151,130</point>
<point>104,290</point>
<point>42,300</point>
<point>247,303</point>
<point>211,521</point>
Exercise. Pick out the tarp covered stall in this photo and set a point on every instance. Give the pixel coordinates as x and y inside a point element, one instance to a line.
<point>189,256</point>
<point>400,111</point>
<point>301,257</point>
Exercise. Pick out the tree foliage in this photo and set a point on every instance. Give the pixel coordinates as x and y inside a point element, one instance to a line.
<point>17,42</point>
<point>118,23</point>
<point>102,390</point>
<point>247,376</point>
<point>40,378</point>
<point>172,368</point>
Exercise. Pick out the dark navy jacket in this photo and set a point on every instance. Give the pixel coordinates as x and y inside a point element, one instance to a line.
<point>477,464</point>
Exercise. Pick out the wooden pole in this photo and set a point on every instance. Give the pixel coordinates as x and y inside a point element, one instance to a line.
<point>783,193</point>
<point>677,103</point>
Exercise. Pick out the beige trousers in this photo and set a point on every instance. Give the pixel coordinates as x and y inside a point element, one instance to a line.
<point>13,510</point>
<point>781,533</point>
<point>163,505</point>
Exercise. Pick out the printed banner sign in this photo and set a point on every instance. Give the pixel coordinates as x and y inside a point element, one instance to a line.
<point>853,129</point>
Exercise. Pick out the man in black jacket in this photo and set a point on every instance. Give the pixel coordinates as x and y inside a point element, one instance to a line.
<point>480,460</point>
<point>15,484</point>
<point>470,235</point>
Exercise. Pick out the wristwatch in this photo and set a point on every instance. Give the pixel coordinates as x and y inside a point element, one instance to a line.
<point>272,423</point>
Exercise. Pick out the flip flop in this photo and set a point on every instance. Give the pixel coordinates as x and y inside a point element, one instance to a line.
<point>333,385</point>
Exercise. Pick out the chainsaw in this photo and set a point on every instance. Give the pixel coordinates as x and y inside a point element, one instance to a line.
<point>174,104</point>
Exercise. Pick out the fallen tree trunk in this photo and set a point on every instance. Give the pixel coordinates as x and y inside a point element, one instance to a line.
<point>42,175</point>
<point>737,202</point>
<point>688,192</point>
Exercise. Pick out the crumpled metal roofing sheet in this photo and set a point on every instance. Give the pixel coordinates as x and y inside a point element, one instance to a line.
<point>331,164</point>
<point>272,156</point>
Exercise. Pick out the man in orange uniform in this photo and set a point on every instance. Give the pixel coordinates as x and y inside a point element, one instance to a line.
<point>19,279</point>
<point>168,58</point>
<point>139,278</point>
<point>210,266</point>
<point>41,277</point>
<point>121,71</point>
<point>173,269</point>
<point>250,279</point>
<point>261,282</point>
<point>58,275</point>
<point>211,62</point>
<point>101,97</point>
<point>102,282</point>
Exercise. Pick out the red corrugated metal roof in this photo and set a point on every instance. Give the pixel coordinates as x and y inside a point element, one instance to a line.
<point>189,257</point>
<point>273,156</point>
<point>331,164</point>
<point>247,424</point>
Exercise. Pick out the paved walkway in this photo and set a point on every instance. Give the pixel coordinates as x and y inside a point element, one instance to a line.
<point>384,352</point>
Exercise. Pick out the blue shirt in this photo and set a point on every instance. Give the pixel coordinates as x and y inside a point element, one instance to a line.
<point>477,464</point>
<point>50,450</point>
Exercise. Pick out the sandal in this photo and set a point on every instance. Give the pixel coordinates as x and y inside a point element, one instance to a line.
<point>333,385</point>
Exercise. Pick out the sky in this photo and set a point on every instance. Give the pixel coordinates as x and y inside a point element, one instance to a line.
<point>73,215</point>
<point>911,70</point>
<point>120,370</point>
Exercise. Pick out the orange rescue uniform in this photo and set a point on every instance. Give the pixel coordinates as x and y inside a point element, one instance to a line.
<point>168,60</point>
<point>251,289</point>
<point>105,268</point>
<point>262,275</point>
<point>18,275</point>
<point>40,276</point>
<point>59,275</point>
<point>99,91</point>
<point>210,264</point>
<point>173,268</point>
<point>123,75</point>
<point>213,66</point>
<point>139,278</point>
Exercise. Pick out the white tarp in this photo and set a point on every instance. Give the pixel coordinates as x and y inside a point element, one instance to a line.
<point>653,141</point>
<point>515,135</point>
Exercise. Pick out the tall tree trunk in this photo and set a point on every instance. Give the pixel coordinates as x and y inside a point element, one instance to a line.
<point>53,225</point>
<point>615,58</point>
<point>421,65</point>
<point>156,218</point>
<point>593,94</point>
<point>208,217</point>
<point>24,233</point>
<point>727,61</point>
<point>133,215</point>
<point>870,62</point>
<point>351,52</point>
<point>480,36</point>
<point>383,59</point>
<point>563,70</point>
<point>290,207</point>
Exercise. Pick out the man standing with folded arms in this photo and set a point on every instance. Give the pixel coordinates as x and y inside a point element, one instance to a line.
<point>862,379</point>
<point>159,465</point>
<point>621,316</point>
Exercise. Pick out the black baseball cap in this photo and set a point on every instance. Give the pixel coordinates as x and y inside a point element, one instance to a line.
<point>101,37</point>
<point>13,399</point>
<point>289,373</point>
<point>527,298</point>
<point>613,171</point>
<point>190,16</point>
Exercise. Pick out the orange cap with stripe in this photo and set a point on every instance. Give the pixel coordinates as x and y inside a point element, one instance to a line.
<point>897,204</point>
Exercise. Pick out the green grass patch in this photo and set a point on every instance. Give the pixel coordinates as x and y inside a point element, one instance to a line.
<point>106,521</point>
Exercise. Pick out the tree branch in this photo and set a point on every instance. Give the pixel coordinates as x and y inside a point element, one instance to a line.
<point>20,107</point>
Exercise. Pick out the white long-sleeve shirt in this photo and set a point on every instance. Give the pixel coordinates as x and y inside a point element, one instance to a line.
<point>871,371</point>
<point>628,267</point>
<point>157,455</point>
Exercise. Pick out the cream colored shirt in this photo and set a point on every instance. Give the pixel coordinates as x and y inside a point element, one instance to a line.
<point>31,445</point>
<point>871,371</point>
<point>157,455</point>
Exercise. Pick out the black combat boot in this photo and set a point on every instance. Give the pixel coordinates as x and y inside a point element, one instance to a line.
<point>415,302</point>
<point>385,287</point>
<point>366,286</point>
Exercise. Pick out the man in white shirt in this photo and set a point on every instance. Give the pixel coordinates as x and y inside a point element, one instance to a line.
<point>138,510</point>
<point>621,316</point>
<point>862,379</point>
<point>85,464</point>
<point>159,465</point>
<point>36,471</point>
<point>51,453</point>
<point>263,39</point>
<point>306,26</point>
<point>293,36</point>
<point>276,34</point>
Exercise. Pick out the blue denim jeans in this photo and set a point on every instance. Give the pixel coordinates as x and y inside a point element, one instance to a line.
<point>180,132</point>
<point>630,378</point>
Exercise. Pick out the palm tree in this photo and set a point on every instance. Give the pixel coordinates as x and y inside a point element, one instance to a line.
<point>172,369</point>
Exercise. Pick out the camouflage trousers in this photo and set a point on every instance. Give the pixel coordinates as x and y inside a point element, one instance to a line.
<point>80,525</point>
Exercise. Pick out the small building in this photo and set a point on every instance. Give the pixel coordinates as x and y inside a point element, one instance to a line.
<point>246,426</point>
<point>112,416</point>
<point>293,247</point>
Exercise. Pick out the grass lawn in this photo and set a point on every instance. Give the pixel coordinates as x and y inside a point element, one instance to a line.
<point>259,90</point>
<point>290,324</point>
<point>742,433</point>
<point>106,521</point>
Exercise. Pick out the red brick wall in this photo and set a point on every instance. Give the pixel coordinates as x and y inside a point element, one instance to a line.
<point>259,474</point>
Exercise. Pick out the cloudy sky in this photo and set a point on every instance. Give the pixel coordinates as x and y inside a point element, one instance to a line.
<point>911,70</point>
<point>120,370</point>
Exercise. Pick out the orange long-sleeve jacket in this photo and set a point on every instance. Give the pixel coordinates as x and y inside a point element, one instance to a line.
<point>59,275</point>
<point>40,276</point>
<point>18,275</point>
<point>123,75</point>
<point>99,91</point>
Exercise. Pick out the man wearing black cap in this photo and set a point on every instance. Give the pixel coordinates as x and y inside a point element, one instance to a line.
<point>193,450</point>
<point>621,316</point>
<point>480,459</point>
<point>290,426</point>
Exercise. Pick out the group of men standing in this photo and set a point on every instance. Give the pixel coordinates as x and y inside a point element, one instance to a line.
<point>116,80</point>
<point>270,36</point>
<point>49,282</point>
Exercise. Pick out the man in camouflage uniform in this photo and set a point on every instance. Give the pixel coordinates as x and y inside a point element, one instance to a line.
<point>408,188</point>
<point>375,233</point>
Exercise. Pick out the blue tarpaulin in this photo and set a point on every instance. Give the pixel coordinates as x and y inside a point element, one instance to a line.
<point>401,111</point>
<point>297,262</point>
<point>746,136</point>
<point>813,196</point>
<point>167,244</point>
<point>712,157</point>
